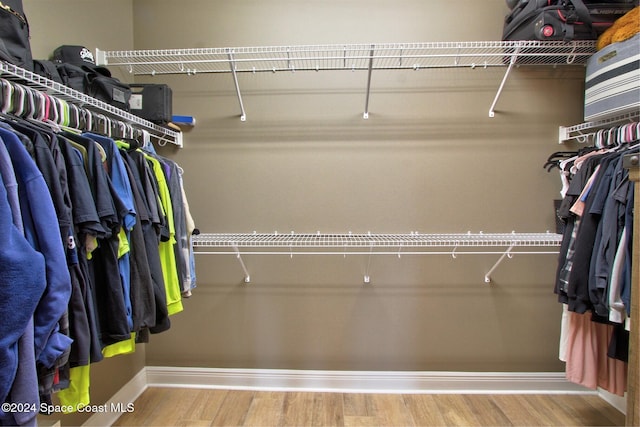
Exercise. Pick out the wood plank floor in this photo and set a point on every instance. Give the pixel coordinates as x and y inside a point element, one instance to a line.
<point>159,406</point>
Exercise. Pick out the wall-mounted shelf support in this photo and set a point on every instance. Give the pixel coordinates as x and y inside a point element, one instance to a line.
<point>247,276</point>
<point>507,253</point>
<point>512,61</point>
<point>353,57</point>
<point>367,278</point>
<point>369,73</point>
<point>454,245</point>
<point>232,66</point>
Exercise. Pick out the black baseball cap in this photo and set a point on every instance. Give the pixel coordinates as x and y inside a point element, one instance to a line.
<point>80,56</point>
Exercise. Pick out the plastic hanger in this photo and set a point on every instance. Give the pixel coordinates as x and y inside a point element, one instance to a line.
<point>18,103</point>
<point>554,159</point>
<point>7,96</point>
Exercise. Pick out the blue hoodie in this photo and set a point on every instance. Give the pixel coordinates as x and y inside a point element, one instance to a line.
<point>22,282</point>
<point>42,231</point>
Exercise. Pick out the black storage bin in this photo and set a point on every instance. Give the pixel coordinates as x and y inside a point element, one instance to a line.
<point>152,102</point>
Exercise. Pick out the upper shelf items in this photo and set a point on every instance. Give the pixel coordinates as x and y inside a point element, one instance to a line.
<point>350,57</point>
<point>11,72</point>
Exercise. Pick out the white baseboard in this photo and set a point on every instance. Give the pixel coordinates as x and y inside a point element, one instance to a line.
<point>336,381</point>
<point>123,397</point>
<point>363,381</point>
<point>618,402</point>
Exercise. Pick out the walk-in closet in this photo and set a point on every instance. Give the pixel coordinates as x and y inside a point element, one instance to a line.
<point>374,223</point>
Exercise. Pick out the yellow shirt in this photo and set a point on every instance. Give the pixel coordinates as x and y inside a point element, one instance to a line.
<point>167,254</point>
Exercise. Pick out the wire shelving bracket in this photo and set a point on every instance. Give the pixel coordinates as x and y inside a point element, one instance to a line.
<point>351,57</point>
<point>35,81</point>
<point>577,132</point>
<point>504,244</point>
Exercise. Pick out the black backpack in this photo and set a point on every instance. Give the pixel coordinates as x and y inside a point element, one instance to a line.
<point>562,20</point>
<point>108,89</point>
<point>14,35</point>
<point>47,69</point>
<point>73,76</point>
<point>79,71</point>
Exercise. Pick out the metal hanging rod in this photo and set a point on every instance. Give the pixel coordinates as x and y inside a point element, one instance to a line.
<point>19,75</point>
<point>294,244</point>
<point>351,57</point>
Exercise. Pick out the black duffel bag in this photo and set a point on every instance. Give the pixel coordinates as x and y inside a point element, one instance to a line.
<point>563,20</point>
<point>73,76</point>
<point>47,69</point>
<point>14,35</point>
<point>108,89</point>
<point>79,71</point>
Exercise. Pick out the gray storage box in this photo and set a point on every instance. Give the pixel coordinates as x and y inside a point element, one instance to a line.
<point>612,85</point>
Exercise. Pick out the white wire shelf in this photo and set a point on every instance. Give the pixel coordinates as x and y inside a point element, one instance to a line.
<point>577,132</point>
<point>369,240</point>
<point>378,56</point>
<point>294,244</point>
<point>351,57</point>
<point>24,77</point>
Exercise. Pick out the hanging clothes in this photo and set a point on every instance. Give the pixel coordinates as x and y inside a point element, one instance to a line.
<point>152,224</point>
<point>42,231</point>
<point>594,268</point>
<point>22,270</point>
<point>91,223</point>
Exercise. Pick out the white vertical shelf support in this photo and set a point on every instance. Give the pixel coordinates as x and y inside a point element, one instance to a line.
<point>512,61</point>
<point>232,66</point>
<point>507,253</point>
<point>247,276</point>
<point>369,73</point>
<point>367,277</point>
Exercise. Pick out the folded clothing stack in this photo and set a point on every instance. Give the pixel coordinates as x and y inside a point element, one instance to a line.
<point>622,29</point>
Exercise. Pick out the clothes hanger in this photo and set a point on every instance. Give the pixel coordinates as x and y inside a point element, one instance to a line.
<point>132,132</point>
<point>74,116</point>
<point>554,159</point>
<point>88,120</point>
<point>47,106</point>
<point>7,96</point>
<point>18,103</point>
<point>632,131</point>
<point>29,104</point>
<point>146,139</point>
<point>599,139</point>
<point>39,114</point>
<point>37,106</point>
<point>64,112</point>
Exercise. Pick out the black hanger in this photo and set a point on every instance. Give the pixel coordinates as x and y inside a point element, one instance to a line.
<point>553,161</point>
<point>134,144</point>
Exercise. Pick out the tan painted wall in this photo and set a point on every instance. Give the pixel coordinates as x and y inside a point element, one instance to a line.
<point>90,23</point>
<point>429,159</point>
